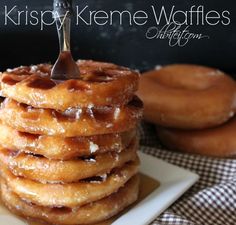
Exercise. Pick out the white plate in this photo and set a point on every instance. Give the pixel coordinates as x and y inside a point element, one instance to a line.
<point>174,181</point>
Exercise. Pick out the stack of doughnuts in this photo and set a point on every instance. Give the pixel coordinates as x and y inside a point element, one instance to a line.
<point>193,108</point>
<point>69,147</point>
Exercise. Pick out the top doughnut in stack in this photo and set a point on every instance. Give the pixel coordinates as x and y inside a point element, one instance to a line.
<point>69,148</point>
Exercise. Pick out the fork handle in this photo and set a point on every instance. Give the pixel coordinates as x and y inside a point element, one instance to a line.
<point>62,8</point>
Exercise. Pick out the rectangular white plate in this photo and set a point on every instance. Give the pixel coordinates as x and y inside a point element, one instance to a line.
<point>174,181</point>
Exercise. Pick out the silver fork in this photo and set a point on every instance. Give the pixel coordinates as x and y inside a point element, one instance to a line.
<point>65,67</point>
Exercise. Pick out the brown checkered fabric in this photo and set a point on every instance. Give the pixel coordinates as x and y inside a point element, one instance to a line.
<point>212,200</point>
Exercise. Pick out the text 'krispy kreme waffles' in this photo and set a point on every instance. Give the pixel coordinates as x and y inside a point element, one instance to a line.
<point>69,147</point>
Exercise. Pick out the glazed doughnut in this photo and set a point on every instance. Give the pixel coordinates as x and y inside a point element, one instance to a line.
<point>70,194</point>
<point>101,84</point>
<point>219,141</point>
<point>56,147</point>
<point>87,122</point>
<point>87,214</point>
<point>187,96</point>
<point>56,171</point>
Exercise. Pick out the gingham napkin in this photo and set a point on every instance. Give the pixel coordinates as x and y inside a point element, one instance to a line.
<point>212,200</point>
